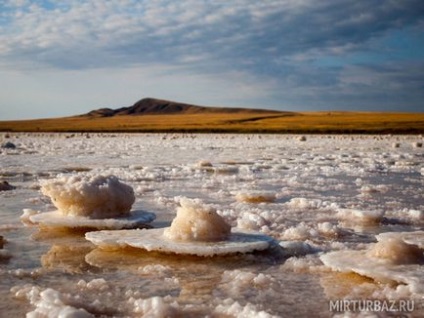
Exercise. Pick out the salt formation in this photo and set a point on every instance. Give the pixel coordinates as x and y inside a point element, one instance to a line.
<point>353,216</point>
<point>101,202</point>
<point>90,196</point>
<point>197,222</point>
<point>396,257</point>
<point>255,197</point>
<point>197,230</point>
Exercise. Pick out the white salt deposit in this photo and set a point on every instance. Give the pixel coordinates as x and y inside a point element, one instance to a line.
<point>86,201</point>
<point>396,257</point>
<point>95,197</point>
<point>232,308</point>
<point>413,238</point>
<point>197,222</point>
<point>196,230</point>
<point>57,219</point>
<point>51,304</point>
<point>353,216</point>
<point>154,240</point>
<point>312,182</point>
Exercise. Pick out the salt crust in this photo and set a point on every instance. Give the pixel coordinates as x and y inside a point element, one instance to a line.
<point>354,216</point>
<point>51,303</point>
<point>89,196</point>
<point>395,257</point>
<point>154,240</point>
<point>234,309</point>
<point>196,230</point>
<point>56,218</point>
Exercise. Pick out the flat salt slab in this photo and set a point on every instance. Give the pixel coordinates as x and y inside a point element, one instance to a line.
<point>153,240</point>
<point>56,218</point>
<point>414,238</point>
<point>381,269</point>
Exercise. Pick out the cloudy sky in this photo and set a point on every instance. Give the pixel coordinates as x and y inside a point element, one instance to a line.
<point>60,58</point>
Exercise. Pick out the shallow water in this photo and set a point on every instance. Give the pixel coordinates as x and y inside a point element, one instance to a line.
<point>309,183</point>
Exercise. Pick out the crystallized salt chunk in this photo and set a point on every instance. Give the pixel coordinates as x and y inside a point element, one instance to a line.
<point>51,303</point>
<point>234,309</point>
<point>414,238</point>
<point>197,222</point>
<point>153,307</point>
<point>360,217</point>
<point>90,196</point>
<point>416,214</point>
<point>395,257</point>
<point>396,250</point>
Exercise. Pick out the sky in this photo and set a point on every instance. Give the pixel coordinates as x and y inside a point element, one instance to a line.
<point>62,58</point>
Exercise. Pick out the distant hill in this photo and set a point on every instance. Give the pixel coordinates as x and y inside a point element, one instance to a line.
<point>163,116</point>
<point>153,106</point>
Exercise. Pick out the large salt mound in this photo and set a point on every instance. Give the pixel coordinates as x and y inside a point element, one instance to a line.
<point>197,230</point>
<point>396,257</point>
<point>89,202</point>
<point>197,222</point>
<point>96,197</point>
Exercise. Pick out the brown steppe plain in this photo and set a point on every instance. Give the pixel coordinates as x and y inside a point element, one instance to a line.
<point>220,120</point>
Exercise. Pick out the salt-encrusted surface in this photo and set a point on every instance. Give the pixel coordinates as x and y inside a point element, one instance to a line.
<point>395,258</point>
<point>57,218</point>
<point>154,240</point>
<point>376,185</point>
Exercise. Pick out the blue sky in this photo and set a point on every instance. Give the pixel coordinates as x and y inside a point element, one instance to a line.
<point>60,58</point>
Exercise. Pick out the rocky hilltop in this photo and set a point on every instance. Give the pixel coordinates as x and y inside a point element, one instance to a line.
<point>153,106</point>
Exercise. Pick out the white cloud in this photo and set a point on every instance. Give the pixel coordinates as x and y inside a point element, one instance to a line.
<point>274,44</point>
